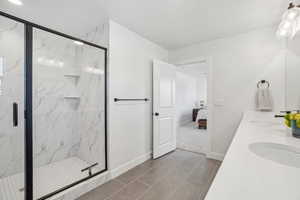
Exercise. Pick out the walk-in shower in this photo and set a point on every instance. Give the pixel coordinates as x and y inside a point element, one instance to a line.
<point>52,110</point>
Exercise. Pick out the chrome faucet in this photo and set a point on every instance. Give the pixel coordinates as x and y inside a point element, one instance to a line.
<point>286,112</point>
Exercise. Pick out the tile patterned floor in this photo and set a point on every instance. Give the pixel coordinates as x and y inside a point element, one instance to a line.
<point>180,175</point>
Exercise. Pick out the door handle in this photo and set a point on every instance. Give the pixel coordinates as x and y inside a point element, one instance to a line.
<point>15,114</point>
<point>156,114</point>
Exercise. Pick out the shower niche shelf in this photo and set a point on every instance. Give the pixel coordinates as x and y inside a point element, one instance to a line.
<point>72,97</point>
<point>72,75</point>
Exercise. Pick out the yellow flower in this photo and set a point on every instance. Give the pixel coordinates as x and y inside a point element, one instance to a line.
<point>288,123</point>
<point>297,116</point>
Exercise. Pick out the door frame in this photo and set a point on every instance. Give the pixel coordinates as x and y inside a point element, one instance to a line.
<point>28,117</point>
<point>210,104</point>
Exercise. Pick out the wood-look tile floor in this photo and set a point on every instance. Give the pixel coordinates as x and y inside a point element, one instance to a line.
<point>180,175</point>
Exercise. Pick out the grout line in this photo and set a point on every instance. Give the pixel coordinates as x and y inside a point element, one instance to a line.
<point>215,169</point>
<point>116,192</point>
<point>126,184</point>
<point>115,179</point>
<point>150,186</point>
<point>133,180</point>
<point>139,176</point>
<point>175,190</point>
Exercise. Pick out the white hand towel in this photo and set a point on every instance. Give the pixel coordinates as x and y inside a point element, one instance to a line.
<point>264,100</point>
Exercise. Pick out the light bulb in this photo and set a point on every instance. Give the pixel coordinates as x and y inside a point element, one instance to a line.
<point>282,33</point>
<point>60,63</point>
<point>291,14</point>
<point>16,2</point>
<point>286,24</point>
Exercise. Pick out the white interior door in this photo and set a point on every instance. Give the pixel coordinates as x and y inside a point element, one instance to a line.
<point>164,113</point>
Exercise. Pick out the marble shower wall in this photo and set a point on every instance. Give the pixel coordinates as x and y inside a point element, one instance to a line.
<point>92,118</point>
<point>12,86</point>
<point>92,107</point>
<point>64,125</point>
<point>55,119</point>
<point>68,100</point>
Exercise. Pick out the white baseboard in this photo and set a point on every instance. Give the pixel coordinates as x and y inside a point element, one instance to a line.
<point>129,165</point>
<point>191,150</point>
<point>215,156</point>
<point>80,189</point>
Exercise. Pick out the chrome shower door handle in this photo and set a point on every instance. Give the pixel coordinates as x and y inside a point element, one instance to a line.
<point>15,114</point>
<point>89,169</point>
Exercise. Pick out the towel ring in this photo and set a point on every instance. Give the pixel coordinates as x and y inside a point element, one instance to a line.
<point>263,82</point>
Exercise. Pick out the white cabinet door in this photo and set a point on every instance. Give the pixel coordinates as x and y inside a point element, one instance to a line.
<point>164,113</point>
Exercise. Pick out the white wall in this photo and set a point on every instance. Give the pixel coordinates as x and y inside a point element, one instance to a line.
<point>130,76</point>
<point>293,71</point>
<point>199,71</point>
<point>238,63</point>
<point>202,87</point>
<point>186,96</point>
<point>191,87</point>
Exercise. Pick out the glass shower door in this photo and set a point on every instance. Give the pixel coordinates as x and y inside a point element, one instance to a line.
<point>11,109</point>
<point>68,112</point>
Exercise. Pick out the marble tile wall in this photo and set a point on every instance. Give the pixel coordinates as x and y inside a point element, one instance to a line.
<point>91,88</point>
<point>68,100</point>
<point>92,129</point>
<point>56,135</point>
<point>12,86</point>
<point>63,127</point>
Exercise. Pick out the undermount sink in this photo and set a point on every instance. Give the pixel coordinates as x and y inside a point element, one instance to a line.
<point>279,153</point>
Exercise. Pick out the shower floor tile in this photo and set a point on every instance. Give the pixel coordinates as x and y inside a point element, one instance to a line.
<point>47,179</point>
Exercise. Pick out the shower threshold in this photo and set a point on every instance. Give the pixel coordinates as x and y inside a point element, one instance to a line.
<point>47,179</point>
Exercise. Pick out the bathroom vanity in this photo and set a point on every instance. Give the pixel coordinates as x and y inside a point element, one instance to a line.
<point>262,162</point>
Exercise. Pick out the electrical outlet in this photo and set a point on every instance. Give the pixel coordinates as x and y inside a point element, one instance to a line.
<point>219,102</point>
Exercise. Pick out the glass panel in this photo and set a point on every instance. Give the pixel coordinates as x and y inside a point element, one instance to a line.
<point>68,111</point>
<point>11,92</point>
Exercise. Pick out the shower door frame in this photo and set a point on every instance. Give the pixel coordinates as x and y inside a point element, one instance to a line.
<point>28,130</point>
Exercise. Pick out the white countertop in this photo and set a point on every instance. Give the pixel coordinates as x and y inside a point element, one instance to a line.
<point>244,175</point>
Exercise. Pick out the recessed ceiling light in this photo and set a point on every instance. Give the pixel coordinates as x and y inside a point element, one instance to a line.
<point>78,42</point>
<point>16,2</point>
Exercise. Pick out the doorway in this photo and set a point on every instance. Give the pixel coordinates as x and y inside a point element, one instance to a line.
<point>192,108</point>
